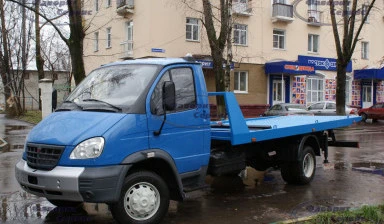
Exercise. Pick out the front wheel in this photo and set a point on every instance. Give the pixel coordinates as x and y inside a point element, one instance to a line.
<point>302,171</point>
<point>144,199</point>
<point>364,117</point>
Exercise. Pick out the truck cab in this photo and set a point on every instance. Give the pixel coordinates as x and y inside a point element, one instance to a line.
<point>115,124</point>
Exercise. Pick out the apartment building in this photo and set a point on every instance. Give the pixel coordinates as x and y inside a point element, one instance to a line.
<point>284,50</point>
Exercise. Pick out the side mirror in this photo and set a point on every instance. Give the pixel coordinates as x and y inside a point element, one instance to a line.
<point>169,95</point>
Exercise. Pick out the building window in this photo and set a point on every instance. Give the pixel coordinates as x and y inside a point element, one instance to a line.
<point>240,6</point>
<point>364,11</point>
<point>240,34</point>
<point>315,89</point>
<point>96,5</point>
<point>192,29</point>
<point>55,76</point>
<point>278,39</point>
<point>108,3</point>
<point>364,50</point>
<point>129,37</point>
<point>313,43</point>
<point>241,82</point>
<point>109,45</point>
<point>96,41</point>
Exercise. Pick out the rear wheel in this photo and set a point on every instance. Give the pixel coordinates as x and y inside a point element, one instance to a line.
<point>144,199</point>
<point>364,117</point>
<point>302,171</point>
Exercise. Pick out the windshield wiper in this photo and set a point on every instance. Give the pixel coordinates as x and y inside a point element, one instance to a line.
<point>70,102</point>
<point>100,101</point>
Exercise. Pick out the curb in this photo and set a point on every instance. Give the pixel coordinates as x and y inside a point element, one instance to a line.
<point>289,221</point>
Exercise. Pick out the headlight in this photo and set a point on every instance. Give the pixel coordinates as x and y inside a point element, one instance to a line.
<point>88,149</point>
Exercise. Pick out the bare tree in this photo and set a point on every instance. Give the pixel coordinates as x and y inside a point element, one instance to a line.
<point>76,37</point>
<point>346,42</point>
<point>13,55</point>
<point>217,20</point>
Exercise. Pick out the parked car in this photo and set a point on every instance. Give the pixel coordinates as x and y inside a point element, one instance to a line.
<point>328,108</point>
<point>375,112</point>
<point>284,109</point>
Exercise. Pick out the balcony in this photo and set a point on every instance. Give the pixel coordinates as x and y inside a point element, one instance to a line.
<point>282,13</point>
<point>315,18</point>
<point>125,7</point>
<point>242,9</point>
<point>126,49</point>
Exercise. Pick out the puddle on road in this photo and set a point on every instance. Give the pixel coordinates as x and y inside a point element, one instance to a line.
<point>22,207</point>
<point>367,167</point>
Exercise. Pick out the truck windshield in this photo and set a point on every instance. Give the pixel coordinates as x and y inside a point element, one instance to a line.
<point>119,86</point>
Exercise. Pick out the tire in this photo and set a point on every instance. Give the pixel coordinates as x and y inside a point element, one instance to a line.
<point>364,117</point>
<point>302,171</point>
<point>144,199</point>
<point>61,203</point>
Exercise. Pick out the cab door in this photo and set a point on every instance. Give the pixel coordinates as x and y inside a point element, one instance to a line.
<point>184,133</point>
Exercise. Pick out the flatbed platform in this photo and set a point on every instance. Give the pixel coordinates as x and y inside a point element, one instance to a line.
<point>239,130</point>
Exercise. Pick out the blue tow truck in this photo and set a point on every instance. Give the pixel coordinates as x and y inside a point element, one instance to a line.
<point>137,134</point>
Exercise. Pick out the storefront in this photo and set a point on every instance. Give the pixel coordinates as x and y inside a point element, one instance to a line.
<point>310,79</point>
<point>280,76</point>
<point>368,86</point>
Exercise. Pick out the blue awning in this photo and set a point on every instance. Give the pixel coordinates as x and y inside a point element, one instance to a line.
<point>289,67</point>
<point>373,73</point>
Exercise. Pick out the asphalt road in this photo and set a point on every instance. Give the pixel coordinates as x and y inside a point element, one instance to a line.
<point>342,184</point>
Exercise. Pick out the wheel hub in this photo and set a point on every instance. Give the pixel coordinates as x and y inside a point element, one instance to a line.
<point>308,165</point>
<point>142,201</point>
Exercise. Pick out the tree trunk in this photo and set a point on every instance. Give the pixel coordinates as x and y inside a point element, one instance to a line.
<point>219,80</point>
<point>4,68</point>
<point>39,58</point>
<point>340,87</point>
<point>76,39</point>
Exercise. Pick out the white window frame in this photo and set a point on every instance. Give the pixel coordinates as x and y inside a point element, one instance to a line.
<point>365,50</point>
<point>364,8</point>
<point>311,43</point>
<point>318,92</point>
<point>279,36</point>
<point>237,89</point>
<point>194,28</point>
<point>109,37</point>
<point>96,41</point>
<point>96,5</point>
<point>129,35</point>
<point>108,3</point>
<point>241,32</point>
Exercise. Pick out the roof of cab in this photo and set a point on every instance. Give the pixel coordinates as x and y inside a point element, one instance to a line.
<point>153,61</point>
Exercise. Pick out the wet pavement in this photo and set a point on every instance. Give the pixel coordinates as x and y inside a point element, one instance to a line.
<point>353,178</point>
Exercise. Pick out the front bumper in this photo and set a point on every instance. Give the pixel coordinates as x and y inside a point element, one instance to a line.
<point>99,184</point>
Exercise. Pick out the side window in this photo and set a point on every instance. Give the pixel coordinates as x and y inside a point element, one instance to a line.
<point>157,95</point>
<point>274,107</point>
<point>331,106</point>
<point>184,87</point>
<point>317,106</point>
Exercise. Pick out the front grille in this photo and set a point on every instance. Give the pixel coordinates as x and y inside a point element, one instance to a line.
<point>43,157</point>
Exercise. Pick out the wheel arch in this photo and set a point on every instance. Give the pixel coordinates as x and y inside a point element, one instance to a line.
<point>310,140</point>
<point>161,163</point>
